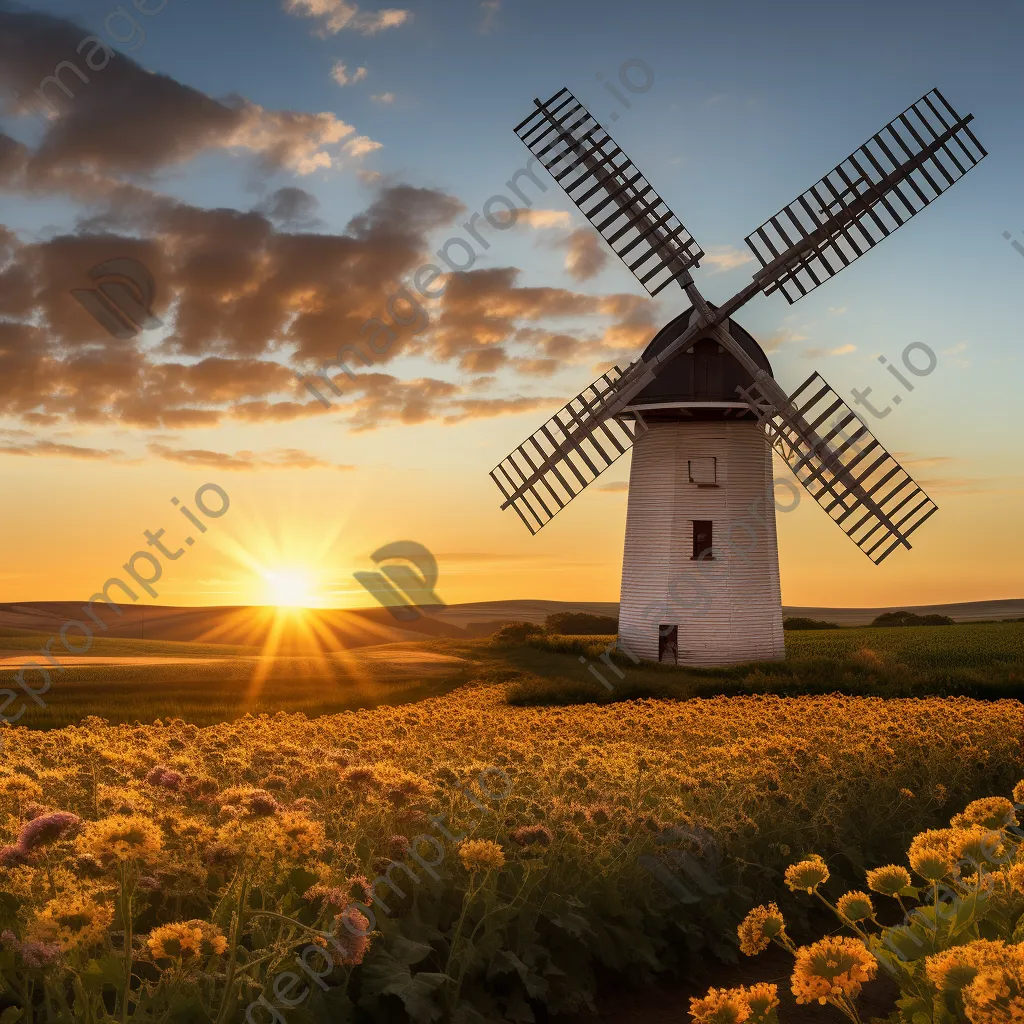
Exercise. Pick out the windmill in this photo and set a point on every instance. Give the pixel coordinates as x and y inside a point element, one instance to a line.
<point>700,406</point>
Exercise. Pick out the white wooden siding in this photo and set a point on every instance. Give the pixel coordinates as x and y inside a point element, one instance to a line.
<point>730,609</point>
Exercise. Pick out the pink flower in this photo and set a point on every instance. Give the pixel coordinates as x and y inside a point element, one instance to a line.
<point>46,829</point>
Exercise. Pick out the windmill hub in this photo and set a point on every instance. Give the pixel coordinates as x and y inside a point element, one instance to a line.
<point>701,381</point>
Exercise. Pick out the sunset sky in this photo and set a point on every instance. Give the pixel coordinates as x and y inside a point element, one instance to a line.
<point>282,167</point>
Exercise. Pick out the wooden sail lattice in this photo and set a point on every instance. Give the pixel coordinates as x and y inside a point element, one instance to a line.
<point>874,191</point>
<point>864,490</point>
<point>609,190</point>
<point>555,463</point>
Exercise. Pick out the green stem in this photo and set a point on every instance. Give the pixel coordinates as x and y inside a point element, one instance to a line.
<point>236,935</point>
<point>466,901</point>
<point>126,920</point>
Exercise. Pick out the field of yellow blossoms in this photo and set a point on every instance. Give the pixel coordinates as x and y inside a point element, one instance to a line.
<point>459,859</point>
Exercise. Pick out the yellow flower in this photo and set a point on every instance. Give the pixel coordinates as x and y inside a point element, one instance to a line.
<point>807,875</point>
<point>889,880</point>
<point>71,922</point>
<point>759,927</point>
<point>992,812</point>
<point>481,855</point>
<point>121,837</point>
<point>1015,877</point>
<point>1018,793</point>
<point>20,787</point>
<point>763,999</point>
<point>931,864</point>
<point>855,906</point>
<point>291,835</point>
<point>186,940</point>
<point>996,995</point>
<point>832,970</point>
<point>951,970</point>
<point>300,834</point>
<point>720,1006</point>
<point>977,845</point>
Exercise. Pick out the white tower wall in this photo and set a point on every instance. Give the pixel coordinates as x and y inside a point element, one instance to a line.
<point>727,609</point>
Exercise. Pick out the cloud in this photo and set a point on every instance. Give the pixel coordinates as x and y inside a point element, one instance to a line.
<point>361,145</point>
<point>490,10</point>
<point>377,400</point>
<point>781,337</point>
<point>240,299</point>
<point>486,307</point>
<point>64,451</point>
<point>115,117</point>
<point>542,219</point>
<point>905,459</point>
<point>278,458</point>
<point>967,485</point>
<point>818,353</point>
<point>338,15</point>
<point>614,486</point>
<point>585,254</point>
<point>726,257</point>
<point>341,74</point>
<point>383,97</point>
<point>477,556</point>
<point>292,208</point>
<point>955,350</point>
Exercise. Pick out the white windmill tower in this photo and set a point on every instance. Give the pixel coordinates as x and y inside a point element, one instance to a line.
<point>700,573</point>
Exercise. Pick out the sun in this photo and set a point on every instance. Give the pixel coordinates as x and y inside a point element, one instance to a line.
<point>289,588</point>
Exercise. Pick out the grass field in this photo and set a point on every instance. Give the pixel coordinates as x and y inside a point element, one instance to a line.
<point>226,682</point>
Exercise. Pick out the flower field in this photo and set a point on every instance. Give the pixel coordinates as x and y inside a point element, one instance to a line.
<point>451,860</point>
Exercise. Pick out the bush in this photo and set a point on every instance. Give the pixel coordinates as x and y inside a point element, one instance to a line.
<point>582,624</point>
<point>910,619</point>
<point>798,622</point>
<point>515,633</point>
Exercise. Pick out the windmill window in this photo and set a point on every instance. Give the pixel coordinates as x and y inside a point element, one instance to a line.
<point>702,540</point>
<point>704,471</point>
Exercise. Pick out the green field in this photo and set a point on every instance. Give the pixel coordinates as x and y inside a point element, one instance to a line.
<point>982,661</point>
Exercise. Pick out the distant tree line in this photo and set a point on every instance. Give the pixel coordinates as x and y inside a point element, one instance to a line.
<point>900,618</point>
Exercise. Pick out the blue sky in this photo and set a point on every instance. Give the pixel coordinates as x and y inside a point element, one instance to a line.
<point>750,104</point>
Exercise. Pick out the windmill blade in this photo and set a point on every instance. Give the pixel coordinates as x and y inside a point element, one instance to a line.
<point>872,499</point>
<point>878,188</point>
<point>611,193</point>
<point>569,452</point>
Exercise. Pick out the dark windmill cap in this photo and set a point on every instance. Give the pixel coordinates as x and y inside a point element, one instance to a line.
<point>701,382</point>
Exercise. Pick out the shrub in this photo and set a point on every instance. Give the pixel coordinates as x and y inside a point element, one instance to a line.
<point>798,622</point>
<point>515,633</point>
<point>911,619</point>
<point>582,624</point>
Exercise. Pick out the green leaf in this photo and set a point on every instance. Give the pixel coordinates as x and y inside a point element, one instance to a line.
<point>417,995</point>
<point>11,1014</point>
<point>406,951</point>
<point>466,1013</point>
<point>575,924</point>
